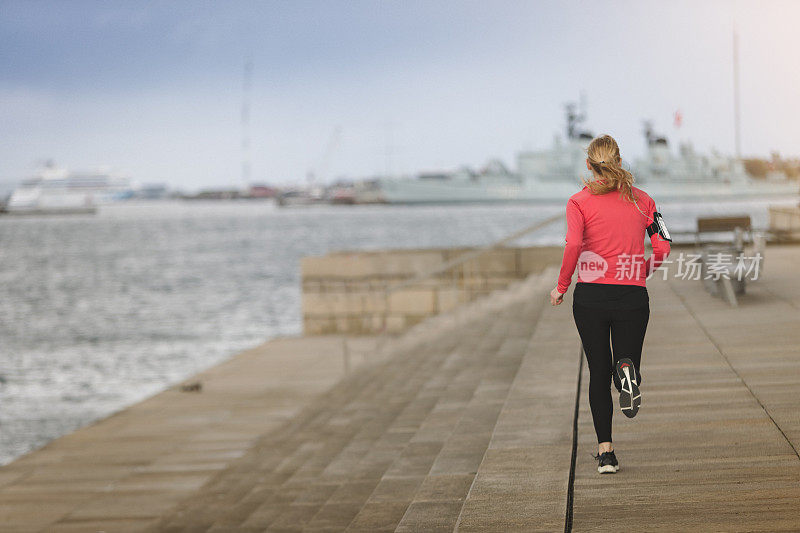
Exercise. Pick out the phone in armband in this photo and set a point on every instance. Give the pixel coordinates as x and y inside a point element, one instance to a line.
<point>658,226</point>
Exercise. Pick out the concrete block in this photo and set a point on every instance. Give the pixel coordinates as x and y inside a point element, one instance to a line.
<point>314,325</point>
<point>535,259</point>
<point>312,285</point>
<point>344,265</point>
<point>395,323</point>
<point>343,324</point>
<point>376,322</point>
<point>334,303</point>
<point>412,320</point>
<point>363,285</point>
<point>474,282</point>
<point>412,301</point>
<point>329,303</point>
<point>501,260</point>
<point>354,303</point>
<point>448,299</point>
<point>314,303</point>
<point>375,302</point>
<point>407,263</point>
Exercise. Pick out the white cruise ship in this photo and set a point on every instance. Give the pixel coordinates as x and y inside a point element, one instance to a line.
<point>54,190</point>
<point>555,174</point>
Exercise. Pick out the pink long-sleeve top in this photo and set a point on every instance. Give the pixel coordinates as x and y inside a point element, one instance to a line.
<point>605,239</point>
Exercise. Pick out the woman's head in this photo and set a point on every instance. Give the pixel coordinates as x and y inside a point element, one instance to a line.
<point>604,161</point>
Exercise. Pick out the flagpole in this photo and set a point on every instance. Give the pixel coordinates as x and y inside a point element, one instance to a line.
<point>736,118</point>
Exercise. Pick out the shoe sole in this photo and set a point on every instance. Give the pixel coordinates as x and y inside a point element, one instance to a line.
<point>630,399</point>
<point>608,469</point>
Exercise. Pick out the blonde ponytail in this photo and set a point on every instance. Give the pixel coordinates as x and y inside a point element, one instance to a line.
<point>603,156</point>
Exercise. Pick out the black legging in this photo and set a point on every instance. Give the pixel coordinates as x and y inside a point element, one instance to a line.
<point>626,328</point>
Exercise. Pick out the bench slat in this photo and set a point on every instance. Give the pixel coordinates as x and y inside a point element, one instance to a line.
<point>712,224</point>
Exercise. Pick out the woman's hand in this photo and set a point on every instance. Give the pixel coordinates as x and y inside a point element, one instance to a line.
<point>556,298</point>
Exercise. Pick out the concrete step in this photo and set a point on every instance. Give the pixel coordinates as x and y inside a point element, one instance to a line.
<point>449,441</point>
<point>522,481</point>
<point>438,502</point>
<point>281,454</point>
<point>391,443</point>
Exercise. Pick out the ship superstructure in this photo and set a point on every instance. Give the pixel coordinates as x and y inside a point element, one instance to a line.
<point>556,173</point>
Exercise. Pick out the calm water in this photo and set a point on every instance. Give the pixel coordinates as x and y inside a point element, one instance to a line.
<point>101,311</point>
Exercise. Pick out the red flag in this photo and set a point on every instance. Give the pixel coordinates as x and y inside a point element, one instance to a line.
<point>678,118</point>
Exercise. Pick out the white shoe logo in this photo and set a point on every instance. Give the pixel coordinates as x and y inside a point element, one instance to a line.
<point>627,381</point>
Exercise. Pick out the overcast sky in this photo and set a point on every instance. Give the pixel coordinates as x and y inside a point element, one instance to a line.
<point>155,88</point>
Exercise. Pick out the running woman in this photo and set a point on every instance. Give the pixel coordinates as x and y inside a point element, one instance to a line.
<point>606,225</point>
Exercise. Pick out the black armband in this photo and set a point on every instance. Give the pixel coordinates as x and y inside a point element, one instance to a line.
<point>658,226</point>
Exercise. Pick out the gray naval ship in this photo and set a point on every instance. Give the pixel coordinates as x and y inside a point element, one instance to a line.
<point>555,174</point>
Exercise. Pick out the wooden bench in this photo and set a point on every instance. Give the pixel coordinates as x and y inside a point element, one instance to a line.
<point>727,280</point>
<point>740,226</point>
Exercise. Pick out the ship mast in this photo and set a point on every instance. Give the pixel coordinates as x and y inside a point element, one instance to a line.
<point>574,118</point>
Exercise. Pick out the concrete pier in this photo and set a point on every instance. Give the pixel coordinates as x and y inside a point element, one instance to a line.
<point>465,422</point>
<point>346,292</point>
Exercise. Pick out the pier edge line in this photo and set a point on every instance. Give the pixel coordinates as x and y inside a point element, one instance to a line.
<point>573,460</point>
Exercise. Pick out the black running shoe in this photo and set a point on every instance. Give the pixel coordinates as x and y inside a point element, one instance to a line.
<point>618,385</point>
<point>629,396</point>
<point>607,463</point>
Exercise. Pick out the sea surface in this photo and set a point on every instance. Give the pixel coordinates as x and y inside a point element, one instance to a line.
<point>100,311</point>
